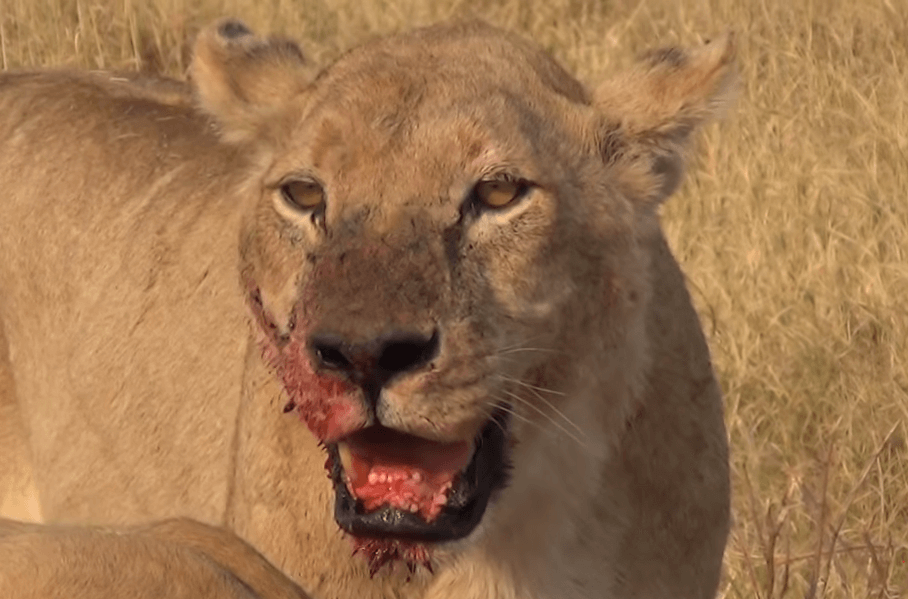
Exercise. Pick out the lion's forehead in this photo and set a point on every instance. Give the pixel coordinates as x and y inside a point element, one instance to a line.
<point>449,93</point>
<point>383,151</point>
<point>434,117</point>
<point>463,60</point>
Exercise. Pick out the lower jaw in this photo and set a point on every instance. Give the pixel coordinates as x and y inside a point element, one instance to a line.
<point>389,535</point>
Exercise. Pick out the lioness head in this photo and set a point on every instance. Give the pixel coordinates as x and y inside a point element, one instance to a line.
<point>443,258</point>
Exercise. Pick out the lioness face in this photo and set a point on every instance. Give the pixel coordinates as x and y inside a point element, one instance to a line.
<point>423,218</point>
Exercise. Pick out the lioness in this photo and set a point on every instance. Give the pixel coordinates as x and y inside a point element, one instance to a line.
<point>407,324</point>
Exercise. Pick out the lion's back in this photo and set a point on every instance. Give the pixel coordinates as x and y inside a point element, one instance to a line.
<point>113,211</point>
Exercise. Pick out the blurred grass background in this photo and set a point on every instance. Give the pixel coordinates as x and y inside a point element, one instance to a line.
<point>792,229</point>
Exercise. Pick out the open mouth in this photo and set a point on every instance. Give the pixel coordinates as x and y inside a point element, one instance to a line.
<point>399,487</point>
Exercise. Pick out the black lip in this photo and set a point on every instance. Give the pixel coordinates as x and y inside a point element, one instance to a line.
<point>483,478</point>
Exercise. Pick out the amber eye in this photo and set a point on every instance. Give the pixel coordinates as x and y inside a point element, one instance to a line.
<point>499,193</point>
<point>303,194</point>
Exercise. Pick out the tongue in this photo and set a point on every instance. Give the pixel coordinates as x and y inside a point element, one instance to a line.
<point>389,468</point>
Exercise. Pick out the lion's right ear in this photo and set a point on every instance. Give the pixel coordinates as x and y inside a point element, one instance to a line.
<point>246,82</point>
<point>651,113</point>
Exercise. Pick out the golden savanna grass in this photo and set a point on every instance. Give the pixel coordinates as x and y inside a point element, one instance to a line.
<point>792,229</point>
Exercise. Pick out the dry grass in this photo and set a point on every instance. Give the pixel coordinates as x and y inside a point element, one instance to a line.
<point>793,229</point>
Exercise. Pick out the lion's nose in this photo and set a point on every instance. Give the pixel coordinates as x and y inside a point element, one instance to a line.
<point>372,364</point>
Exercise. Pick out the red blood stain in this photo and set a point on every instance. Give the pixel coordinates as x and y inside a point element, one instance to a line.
<point>379,552</point>
<point>327,405</point>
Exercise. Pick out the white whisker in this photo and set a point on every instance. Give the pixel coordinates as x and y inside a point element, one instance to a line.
<point>529,386</point>
<point>514,350</point>
<point>543,413</point>
<point>535,391</point>
<point>500,404</point>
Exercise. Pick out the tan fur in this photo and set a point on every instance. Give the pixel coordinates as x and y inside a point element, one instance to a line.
<point>136,231</point>
<point>18,496</point>
<point>170,560</point>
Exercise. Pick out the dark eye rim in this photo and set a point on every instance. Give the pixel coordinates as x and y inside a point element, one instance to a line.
<point>287,197</point>
<point>524,187</point>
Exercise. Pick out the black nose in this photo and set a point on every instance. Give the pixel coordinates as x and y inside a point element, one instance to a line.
<point>372,364</point>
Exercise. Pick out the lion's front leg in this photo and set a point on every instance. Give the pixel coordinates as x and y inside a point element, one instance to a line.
<point>173,559</point>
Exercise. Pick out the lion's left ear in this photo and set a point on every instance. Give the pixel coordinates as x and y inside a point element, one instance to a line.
<point>649,114</point>
<point>245,82</point>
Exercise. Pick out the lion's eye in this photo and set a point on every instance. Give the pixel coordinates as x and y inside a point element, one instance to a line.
<point>499,193</point>
<point>303,195</point>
